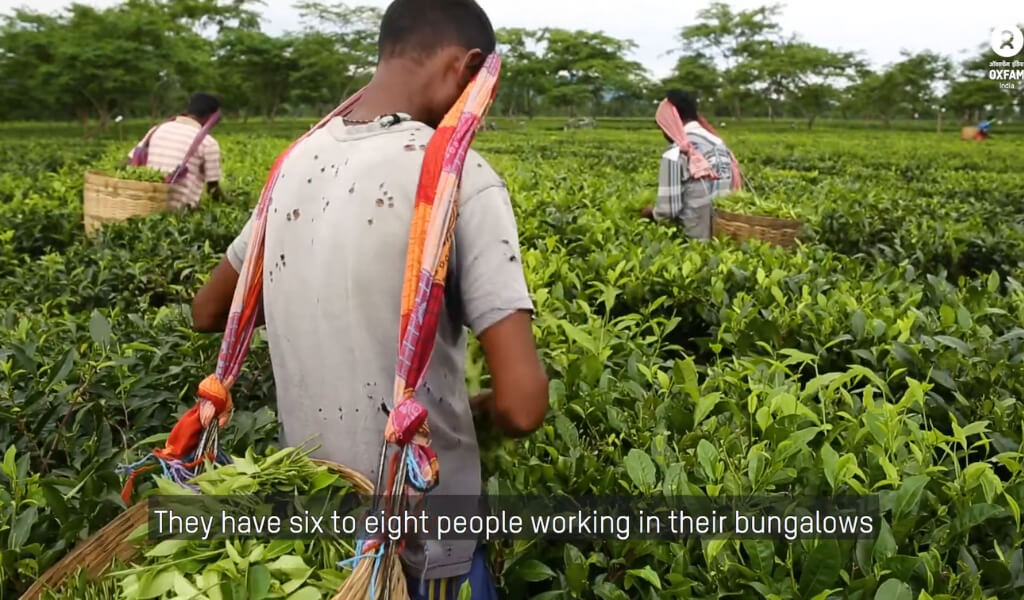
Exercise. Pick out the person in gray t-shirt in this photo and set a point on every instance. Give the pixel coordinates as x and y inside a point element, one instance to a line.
<point>335,254</point>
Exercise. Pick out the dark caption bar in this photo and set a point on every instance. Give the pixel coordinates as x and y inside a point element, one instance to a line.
<point>515,517</point>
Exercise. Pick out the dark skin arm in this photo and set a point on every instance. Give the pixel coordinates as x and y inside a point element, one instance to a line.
<point>213,302</point>
<point>213,187</point>
<point>518,402</point>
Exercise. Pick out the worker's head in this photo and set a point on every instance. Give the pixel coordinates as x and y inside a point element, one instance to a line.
<point>685,103</point>
<point>202,106</point>
<point>439,45</point>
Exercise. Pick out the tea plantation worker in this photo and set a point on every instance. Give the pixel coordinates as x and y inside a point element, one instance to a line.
<point>984,127</point>
<point>696,169</point>
<point>336,241</point>
<point>185,140</point>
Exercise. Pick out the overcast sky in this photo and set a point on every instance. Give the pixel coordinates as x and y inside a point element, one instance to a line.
<point>881,28</point>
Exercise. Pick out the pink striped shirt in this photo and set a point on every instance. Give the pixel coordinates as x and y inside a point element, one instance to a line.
<point>167,148</point>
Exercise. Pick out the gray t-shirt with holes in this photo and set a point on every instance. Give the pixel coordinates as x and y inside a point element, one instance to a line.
<point>335,256</point>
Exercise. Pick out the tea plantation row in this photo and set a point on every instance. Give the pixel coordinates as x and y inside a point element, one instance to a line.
<point>883,357</point>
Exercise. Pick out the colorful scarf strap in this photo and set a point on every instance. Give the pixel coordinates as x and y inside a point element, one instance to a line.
<point>181,171</point>
<point>671,123</point>
<point>737,176</point>
<point>194,437</point>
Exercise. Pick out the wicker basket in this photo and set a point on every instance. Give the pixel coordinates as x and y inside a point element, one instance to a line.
<point>781,232</point>
<point>96,554</point>
<point>969,133</point>
<point>106,199</point>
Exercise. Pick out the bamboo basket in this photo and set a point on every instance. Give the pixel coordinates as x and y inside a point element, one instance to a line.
<point>740,227</point>
<point>96,554</point>
<point>969,133</point>
<point>107,199</point>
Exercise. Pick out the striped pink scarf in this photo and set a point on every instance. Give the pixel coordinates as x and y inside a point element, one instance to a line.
<point>670,122</point>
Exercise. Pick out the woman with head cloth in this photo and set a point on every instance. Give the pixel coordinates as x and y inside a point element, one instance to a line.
<point>695,170</point>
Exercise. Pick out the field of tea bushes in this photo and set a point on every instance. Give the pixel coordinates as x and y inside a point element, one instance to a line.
<point>884,356</point>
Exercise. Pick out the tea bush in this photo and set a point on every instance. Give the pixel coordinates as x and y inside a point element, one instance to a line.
<point>883,356</point>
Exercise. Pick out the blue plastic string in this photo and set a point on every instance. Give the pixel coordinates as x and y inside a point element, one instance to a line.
<point>415,474</point>
<point>130,468</point>
<point>350,563</point>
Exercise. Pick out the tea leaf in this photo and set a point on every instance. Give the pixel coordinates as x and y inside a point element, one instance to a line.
<point>761,554</point>
<point>993,282</point>
<point>821,567</point>
<point>707,457</point>
<point>167,548</point>
<point>904,500</point>
<point>99,328</point>
<point>306,593</point>
<point>893,589</point>
<point>533,570</point>
<point>858,323</point>
<point>258,582</point>
<point>576,569</point>
<point>607,591</point>
<point>647,574</point>
<point>641,469</point>
<point>704,406</point>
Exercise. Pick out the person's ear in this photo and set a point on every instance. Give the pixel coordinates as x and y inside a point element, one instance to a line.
<point>471,64</point>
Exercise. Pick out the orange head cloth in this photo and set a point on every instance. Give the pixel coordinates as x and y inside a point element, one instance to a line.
<point>189,429</point>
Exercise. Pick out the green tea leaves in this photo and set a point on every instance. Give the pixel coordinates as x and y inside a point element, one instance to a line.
<point>99,328</point>
<point>258,582</point>
<point>893,589</point>
<point>641,470</point>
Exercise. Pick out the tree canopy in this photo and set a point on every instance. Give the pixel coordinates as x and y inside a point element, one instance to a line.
<point>144,57</point>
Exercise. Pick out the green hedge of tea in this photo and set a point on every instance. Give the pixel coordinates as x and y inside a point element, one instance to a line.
<point>883,357</point>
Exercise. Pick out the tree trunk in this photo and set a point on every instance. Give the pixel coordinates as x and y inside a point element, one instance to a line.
<point>810,122</point>
<point>737,110</point>
<point>771,113</point>
<point>82,114</point>
<point>104,119</point>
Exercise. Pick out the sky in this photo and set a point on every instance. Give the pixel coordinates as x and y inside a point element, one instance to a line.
<point>879,28</point>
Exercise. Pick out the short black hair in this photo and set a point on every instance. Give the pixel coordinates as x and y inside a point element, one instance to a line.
<point>203,105</point>
<point>422,27</point>
<point>685,103</point>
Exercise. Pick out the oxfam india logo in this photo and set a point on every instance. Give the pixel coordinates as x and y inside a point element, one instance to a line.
<point>1007,41</point>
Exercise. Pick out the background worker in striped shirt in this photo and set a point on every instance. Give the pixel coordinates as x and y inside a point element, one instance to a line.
<point>684,196</point>
<point>169,144</point>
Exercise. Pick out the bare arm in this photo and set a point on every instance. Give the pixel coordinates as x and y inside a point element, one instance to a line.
<point>519,400</point>
<point>213,302</point>
<point>215,191</point>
